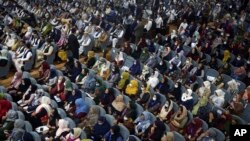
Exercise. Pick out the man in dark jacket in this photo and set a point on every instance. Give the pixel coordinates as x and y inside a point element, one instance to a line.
<point>73,44</point>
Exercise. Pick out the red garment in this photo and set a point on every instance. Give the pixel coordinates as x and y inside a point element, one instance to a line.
<point>45,69</point>
<point>58,88</point>
<point>5,106</point>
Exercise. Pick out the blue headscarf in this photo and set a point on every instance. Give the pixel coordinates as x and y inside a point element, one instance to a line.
<point>81,106</point>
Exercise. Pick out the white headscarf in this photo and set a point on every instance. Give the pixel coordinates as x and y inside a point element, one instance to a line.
<point>44,103</point>
<point>218,98</point>
<point>187,95</point>
<point>62,127</point>
<point>153,80</point>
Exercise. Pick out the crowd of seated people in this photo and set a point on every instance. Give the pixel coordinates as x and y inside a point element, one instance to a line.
<point>127,76</point>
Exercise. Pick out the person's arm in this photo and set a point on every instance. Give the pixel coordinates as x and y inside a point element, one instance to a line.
<point>121,34</point>
<point>49,52</point>
<point>30,99</point>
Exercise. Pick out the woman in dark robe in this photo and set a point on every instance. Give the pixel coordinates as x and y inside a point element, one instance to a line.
<point>135,69</point>
<point>21,90</point>
<point>73,44</point>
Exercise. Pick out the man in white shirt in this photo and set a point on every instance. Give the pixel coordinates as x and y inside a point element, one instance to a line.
<point>85,46</point>
<point>25,56</point>
<point>117,35</point>
<point>159,23</point>
<point>182,27</point>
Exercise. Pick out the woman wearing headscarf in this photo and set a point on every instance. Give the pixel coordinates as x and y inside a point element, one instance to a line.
<point>218,82</point>
<point>19,132</point>
<point>153,80</point>
<point>154,104</point>
<point>89,82</point>
<point>69,66</point>
<point>15,83</point>
<point>28,96</point>
<point>57,90</point>
<point>119,59</point>
<point>118,106</point>
<point>218,98</point>
<point>24,86</point>
<point>132,89</point>
<point>155,131</point>
<point>203,93</point>
<point>193,130</point>
<point>152,61</point>
<point>142,123</point>
<point>113,134</point>
<point>74,135</point>
<point>92,118</point>
<point>233,87</point>
<point>105,70</point>
<point>44,73</point>
<point>80,78</point>
<point>62,130</point>
<point>187,99</point>
<point>144,55</point>
<point>8,123</point>
<point>114,76</point>
<point>167,111</point>
<point>91,60</point>
<point>100,129</point>
<point>126,48</point>
<point>179,120</point>
<point>166,54</point>
<point>75,71</point>
<point>163,86</point>
<point>135,69</point>
<point>123,81</point>
<point>71,97</point>
<point>80,111</point>
<point>107,98</point>
<point>42,113</point>
<point>226,56</point>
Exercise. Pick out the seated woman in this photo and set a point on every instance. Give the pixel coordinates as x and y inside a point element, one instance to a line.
<point>69,66</point>
<point>239,73</point>
<point>42,113</point>
<point>142,123</point>
<point>44,73</point>
<point>153,80</point>
<point>218,82</point>
<point>80,78</point>
<point>145,73</point>
<point>145,95</point>
<point>91,119</point>
<point>233,87</point>
<point>7,123</point>
<point>113,134</point>
<point>105,70</point>
<point>106,98</point>
<point>118,106</point>
<point>114,76</point>
<point>19,132</point>
<point>119,59</point>
<point>74,135</point>
<point>100,129</point>
<point>132,89</point>
<point>187,99</point>
<point>225,69</point>
<point>71,97</point>
<point>44,51</point>
<point>155,131</point>
<point>163,86</point>
<point>135,69</point>
<point>154,104</point>
<point>80,110</point>
<point>91,60</point>
<point>179,120</point>
<point>218,98</point>
<point>28,96</point>
<point>62,130</point>
<point>144,55</point>
<point>161,67</point>
<point>24,86</point>
<point>209,134</point>
<point>89,82</point>
<point>15,83</point>
<point>177,92</point>
<point>193,130</point>
<point>56,90</point>
<point>167,111</point>
<point>123,81</point>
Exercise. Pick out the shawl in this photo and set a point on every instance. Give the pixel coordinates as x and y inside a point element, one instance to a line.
<point>132,87</point>
<point>81,106</point>
<point>62,127</point>
<point>122,82</point>
<point>17,80</point>
<point>119,103</point>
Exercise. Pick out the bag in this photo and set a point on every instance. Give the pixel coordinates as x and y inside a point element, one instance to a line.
<point>62,55</point>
